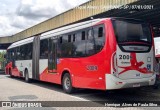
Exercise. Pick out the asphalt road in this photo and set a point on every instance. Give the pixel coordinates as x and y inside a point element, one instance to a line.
<point>15,89</point>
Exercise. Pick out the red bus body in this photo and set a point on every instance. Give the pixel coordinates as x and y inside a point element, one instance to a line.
<point>131,69</point>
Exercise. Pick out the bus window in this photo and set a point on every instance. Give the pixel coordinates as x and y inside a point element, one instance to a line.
<point>44,49</point>
<point>74,37</point>
<point>90,50</point>
<point>83,35</point>
<point>18,53</point>
<point>30,49</point>
<point>13,57</point>
<point>52,57</point>
<point>60,39</point>
<point>22,51</point>
<point>99,37</point>
<point>69,38</point>
<point>79,46</point>
<point>134,32</point>
<point>100,32</point>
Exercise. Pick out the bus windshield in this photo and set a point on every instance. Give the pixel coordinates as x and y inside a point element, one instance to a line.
<point>131,31</point>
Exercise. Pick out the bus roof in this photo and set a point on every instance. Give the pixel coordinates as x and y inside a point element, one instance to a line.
<point>21,42</point>
<point>58,31</point>
<point>65,29</point>
<point>70,28</point>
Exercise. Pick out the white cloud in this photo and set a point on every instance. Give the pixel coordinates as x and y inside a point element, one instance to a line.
<point>6,28</point>
<point>76,2</point>
<point>17,15</point>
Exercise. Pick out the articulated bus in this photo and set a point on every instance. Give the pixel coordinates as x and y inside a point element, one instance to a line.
<point>104,54</point>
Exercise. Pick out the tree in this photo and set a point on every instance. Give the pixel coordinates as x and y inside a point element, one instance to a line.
<point>2,59</point>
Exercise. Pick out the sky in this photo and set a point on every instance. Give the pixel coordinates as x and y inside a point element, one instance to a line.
<point>18,15</point>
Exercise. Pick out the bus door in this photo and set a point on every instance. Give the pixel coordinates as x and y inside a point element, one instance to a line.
<point>52,57</point>
<point>13,56</point>
<point>13,52</point>
<point>35,59</point>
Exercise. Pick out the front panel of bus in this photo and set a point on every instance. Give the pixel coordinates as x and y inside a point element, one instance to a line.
<point>132,62</point>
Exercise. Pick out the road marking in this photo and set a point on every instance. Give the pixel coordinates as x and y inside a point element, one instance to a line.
<point>82,99</point>
<point>90,94</point>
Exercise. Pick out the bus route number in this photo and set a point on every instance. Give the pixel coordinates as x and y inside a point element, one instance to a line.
<point>92,67</point>
<point>124,57</point>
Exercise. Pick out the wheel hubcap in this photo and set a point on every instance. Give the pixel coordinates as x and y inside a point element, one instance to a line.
<point>67,83</point>
<point>26,77</point>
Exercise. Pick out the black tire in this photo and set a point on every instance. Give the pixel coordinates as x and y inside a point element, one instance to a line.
<point>67,84</point>
<point>26,76</point>
<point>10,73</point>
<point>156,85</point>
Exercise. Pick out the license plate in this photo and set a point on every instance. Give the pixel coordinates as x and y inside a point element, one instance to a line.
<point>136,85</point>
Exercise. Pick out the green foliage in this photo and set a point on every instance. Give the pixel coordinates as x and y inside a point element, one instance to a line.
<point>2,59</point>
<point>2,54</point>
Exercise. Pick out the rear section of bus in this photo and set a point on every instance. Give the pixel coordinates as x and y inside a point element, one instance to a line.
<point>133,60</point>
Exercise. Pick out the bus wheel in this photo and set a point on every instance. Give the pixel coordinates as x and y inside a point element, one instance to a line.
<point>67,83</point>
<point>10,73</point>
<point>26,76</point>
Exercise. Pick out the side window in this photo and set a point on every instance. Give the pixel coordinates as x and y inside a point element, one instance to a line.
<point>60,40</point>
<point>44,49</point>
<point>23,52</point>
<point>59,51</point>
<point>69,38</point>
<point>20,56</point>
<point>99,37</point>
<point>13,56</point>
<point>25,48</point>
<point>100,32</point>
<point>12,52</point>
<point>74,37</point>
<point>18,53</point>
<point>65,38</point>
<point>30,50</point>
<point>79,45</point>
<point>83,35</point>
<point>78,36</point>
<point>66,46</point>
<point>52,54</point>
<point>8,55</point>
<point>28,54</point>
<point>90,44</point>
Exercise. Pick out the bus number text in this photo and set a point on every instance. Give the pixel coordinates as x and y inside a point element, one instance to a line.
<point>124,57</point>
<point>92,68</point>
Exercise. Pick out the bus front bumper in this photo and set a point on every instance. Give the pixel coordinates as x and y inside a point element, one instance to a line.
<point>113,82</point>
